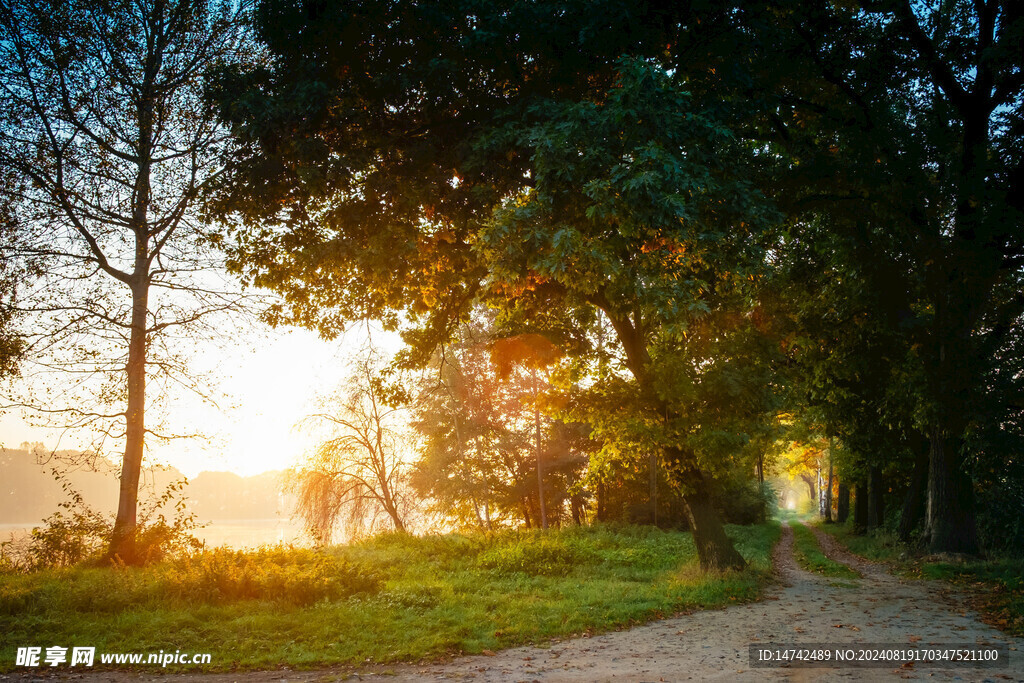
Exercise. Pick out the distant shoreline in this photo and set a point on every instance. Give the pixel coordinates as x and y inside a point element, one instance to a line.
<point>227,520</point>
<point>235,533</point>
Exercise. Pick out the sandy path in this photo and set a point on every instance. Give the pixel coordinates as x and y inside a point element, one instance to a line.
<point>713,645</point>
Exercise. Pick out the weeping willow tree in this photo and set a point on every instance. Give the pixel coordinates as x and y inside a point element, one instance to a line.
<point>357,479</point>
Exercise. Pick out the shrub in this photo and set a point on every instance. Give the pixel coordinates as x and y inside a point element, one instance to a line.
<point>67,537</point>
<point>76,533</point>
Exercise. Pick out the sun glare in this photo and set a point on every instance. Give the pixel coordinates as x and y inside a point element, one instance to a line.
<point>270,387</point>
<point>265,385</point>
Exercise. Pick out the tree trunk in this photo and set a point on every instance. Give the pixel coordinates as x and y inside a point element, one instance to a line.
<point>602,513</point>
<point>809,480</point>
<point>913,501</point>
<point>122,543</point>
<point>843,505</point>
<point>653,486</point>
<point>950,521</point>
<point>476,510</point>
<point>828,485</point>
<point>714,549</point>
<point>396,519</point>
<point>386,497</point>
<point>821,494</point>
<point>950,515</point>
<point>876,498</point>
<point>576,507</point>
<point>964,285</point>
<point>123,537</point>
<point>526,513</point>
<point>540,470</point>
<point>860,508</point>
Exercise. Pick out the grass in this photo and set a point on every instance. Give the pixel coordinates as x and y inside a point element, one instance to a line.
<point>390,598</point>
<point>809,556</point>
<point>878,546</point>
<point>995,585</point>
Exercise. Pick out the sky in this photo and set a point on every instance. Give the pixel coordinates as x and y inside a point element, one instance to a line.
<point>268,382</point>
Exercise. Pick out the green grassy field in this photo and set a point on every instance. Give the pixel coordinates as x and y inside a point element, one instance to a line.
<point>809,556</point>
<point>390,598</point>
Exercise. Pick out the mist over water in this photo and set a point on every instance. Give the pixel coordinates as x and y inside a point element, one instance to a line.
<point>239,534</point>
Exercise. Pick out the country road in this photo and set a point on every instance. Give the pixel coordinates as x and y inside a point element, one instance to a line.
<point>714,645</point>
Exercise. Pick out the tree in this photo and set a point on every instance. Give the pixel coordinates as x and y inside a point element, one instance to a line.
<point>673,242</point>
<point>898,119</point>
<point>852,343</point>
<point>535,352</point>
<point>361,469</point>
<point>11,344</point>
<point>638,207</point>
<point>479,413</point>
<point>108,139</point>
<point>475,461</point>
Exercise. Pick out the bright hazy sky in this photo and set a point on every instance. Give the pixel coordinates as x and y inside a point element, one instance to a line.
<point>269,382</point>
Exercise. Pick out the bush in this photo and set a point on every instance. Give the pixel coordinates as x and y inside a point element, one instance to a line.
<point>293,576</point>
<point>67,537</point>
<point>76,533</point>
<point>437,549</point>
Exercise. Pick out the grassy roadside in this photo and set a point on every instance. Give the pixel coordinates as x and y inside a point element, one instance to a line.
<point>995,586</point>
<point>878,547</point>
<point>390,598</point>
<point>809,556</point>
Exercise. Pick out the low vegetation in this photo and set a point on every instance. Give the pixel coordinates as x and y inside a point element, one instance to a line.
<point>995,584</point>
<point>879,545</point>
<point>810,557</point>
<point>390,598</point>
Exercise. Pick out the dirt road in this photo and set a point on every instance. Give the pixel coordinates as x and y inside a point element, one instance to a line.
<point>714,645</point>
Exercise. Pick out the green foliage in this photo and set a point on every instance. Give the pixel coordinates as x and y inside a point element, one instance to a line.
<point>69,537</point>
<point>640,162</point>
<point>740,500</point>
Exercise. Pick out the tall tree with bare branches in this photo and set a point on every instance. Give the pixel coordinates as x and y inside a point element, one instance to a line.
<point>108,141</point>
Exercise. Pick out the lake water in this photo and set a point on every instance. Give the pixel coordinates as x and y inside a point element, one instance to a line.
<point>234,533</point>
